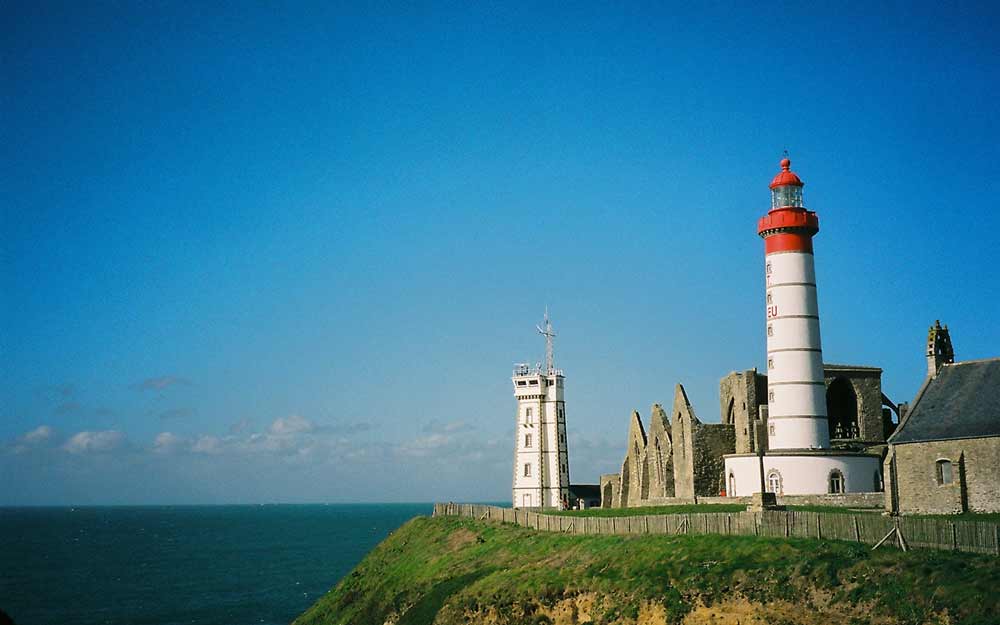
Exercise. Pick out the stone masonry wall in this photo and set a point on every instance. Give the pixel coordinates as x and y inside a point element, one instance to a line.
<point>867,384</point>
<point>711,442</point>
<point>979,472</point>
<point>738,406</point>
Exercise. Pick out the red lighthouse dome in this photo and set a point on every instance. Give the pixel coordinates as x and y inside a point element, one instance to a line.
<point>786,176</point>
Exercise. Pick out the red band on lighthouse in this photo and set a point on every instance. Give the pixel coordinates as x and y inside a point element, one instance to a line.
<point>788,242</point>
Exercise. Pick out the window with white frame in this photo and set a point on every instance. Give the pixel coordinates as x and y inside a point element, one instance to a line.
<point>527,469</point>
<point>527,440</point>
<point>774,482</point>
<point>529,415</point>
<point>836,482</point>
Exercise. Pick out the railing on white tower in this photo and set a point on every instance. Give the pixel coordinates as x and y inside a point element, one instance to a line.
<point>522,369</point>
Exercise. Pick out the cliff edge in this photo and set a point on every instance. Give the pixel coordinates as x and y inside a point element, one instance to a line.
<point>450,571</point>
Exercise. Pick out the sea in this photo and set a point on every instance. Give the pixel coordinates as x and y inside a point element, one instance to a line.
<point>180,565</point>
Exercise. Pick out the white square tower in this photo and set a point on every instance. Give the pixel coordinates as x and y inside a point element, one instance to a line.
<point>541,459</point>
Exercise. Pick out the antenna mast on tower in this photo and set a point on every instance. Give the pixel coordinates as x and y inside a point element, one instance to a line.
<point>550,365</point>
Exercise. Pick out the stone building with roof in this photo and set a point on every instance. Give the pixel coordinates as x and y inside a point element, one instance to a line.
<point>944,458</point>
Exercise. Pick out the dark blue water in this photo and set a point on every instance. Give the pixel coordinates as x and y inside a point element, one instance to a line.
<point>224,565</point>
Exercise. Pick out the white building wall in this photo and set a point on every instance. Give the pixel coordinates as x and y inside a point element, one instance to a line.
<point>801,475</point>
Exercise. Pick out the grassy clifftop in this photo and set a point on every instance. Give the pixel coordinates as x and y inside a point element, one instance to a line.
<point>451,570</point>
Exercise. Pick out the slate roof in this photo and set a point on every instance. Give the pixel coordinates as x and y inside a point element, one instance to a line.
<point>963,401</point>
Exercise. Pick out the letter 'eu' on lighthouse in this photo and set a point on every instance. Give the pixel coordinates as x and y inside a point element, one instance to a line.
<point>796,393</point>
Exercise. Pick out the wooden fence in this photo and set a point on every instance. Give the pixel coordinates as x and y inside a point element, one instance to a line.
<point>869,529</point>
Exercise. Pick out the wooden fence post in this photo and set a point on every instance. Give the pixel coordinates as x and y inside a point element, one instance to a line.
<point>996,532</point>
<point>954,537</point>
<point>819,526</point>
<point>857,529</point>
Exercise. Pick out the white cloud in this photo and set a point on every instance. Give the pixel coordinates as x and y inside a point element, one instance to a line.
<point>168,442</point>
<point>94,442</point>
<point>293,424</point>
<point>38,435</point>
<point>207,445</point>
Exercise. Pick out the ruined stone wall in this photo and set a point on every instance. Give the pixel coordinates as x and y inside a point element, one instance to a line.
<point>683,432</point>
<point>609,489</point>
<point>867,384</point>
<point>975,470</point>
<point>710,443</point>
<point>659,456</point>
<point>738,404</point>
<point>635,469</point>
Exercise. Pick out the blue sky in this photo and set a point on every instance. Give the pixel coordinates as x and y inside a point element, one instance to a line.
<point>273,253</point>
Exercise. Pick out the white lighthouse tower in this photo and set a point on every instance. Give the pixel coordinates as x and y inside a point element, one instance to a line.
<point>796,393</point>
<point>799,460</point>
<point>541,459</point>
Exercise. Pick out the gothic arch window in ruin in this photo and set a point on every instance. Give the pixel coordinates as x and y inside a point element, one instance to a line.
<point>945,475</point>
<point>836,482</point>
<point>731,411</point>
<point>842,409</point>
<point>660,475</point>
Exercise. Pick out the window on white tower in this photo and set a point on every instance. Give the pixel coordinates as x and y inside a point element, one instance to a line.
<point>529,416</point>
<point>527,470</point>
<point>770,330</point>
<point>527,440</point>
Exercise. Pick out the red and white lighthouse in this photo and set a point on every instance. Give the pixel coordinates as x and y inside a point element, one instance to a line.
<point>796,393</point>
<point>798,458</point>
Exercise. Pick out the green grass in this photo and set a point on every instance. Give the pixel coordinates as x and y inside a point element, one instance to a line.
<point>443,570</point>
<point>678,509</point>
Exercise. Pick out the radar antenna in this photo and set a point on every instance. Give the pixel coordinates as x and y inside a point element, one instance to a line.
<point>550,365</point>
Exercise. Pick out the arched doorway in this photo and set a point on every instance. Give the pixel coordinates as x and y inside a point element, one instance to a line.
<point>842,409</point>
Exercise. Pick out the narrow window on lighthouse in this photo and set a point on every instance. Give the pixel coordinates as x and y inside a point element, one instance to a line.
<point>770,330</point>
<point>527,470</point>
<point>767,268</point>
<point>527,440</point>
<point>770,396</point>
<point>770,363</point>
<point>528,416</point>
